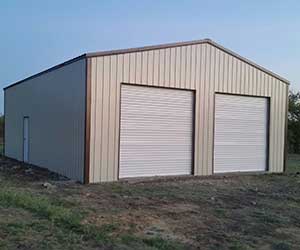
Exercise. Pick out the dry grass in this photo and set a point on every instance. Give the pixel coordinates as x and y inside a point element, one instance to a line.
<point>234,212</point>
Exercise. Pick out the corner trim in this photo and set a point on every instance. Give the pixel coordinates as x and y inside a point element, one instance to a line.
<point>268,134</point>
<point>285,156</point>
<point>4,117</point>
<point>87,122</point>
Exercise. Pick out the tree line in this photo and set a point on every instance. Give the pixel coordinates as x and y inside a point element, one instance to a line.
<point>1,128</point>
<point>294,123</point>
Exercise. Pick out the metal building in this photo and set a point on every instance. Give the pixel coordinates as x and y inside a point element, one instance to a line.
<point>174,109</point>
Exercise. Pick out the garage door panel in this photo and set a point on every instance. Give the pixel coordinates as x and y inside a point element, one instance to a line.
<point>236,140</point>
<point>152,115</point>
<point>156,131</point>
<point>237,123</point>
<point>245,149</point>
<point>240,133</point>
<point>237,166</point>
<point>237,161</point>
<point>154,126</point>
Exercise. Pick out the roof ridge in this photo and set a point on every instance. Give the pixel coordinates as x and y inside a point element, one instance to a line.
<point>155,47</point>
<point>186,43</point>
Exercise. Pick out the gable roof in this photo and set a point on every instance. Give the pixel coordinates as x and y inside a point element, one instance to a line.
<point>155,47</point>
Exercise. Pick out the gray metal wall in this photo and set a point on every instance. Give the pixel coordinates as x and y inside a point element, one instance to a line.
<point>55,104</point>
<point>201,67</point>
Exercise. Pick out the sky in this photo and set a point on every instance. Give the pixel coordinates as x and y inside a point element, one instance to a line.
<point>36,35</point>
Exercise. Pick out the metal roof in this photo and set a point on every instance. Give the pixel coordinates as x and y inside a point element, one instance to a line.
<point>156,47</point>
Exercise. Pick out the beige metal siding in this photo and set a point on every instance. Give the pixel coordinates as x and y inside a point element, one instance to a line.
<point>55,105</point>
<point>201,67</point>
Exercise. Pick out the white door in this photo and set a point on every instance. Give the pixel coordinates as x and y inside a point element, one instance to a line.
<point>240,140</point>
<point>156,131</point>
<point>25,139</point>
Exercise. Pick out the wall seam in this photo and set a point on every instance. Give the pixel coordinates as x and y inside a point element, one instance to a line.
<point>87,122</point>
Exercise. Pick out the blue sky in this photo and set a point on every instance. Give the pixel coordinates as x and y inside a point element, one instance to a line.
<point>36,35</point>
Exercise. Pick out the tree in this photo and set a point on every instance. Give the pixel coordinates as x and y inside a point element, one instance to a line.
<point>294,123</point>
<point>1,126</point>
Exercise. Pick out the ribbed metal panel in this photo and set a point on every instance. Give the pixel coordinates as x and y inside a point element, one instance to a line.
<point>55,104</point>
<point>240,143</point>
<point>156,131</point>
<point>203,68</point>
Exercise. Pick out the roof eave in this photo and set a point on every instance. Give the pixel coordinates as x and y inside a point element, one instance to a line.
<point>47,70</point>
<point>155,47</point>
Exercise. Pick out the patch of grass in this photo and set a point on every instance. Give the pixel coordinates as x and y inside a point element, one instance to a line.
<point>67,225</point>
<point>220,212</point>
<point>237,213</point>
<point>100,234</point>
<point>165,191</point>
<point>38,233</point>
<point>238,246</point>
<point>151,243</point>
<point>281,246</point>
<point>162,244</point>
<point>1,148</point>
<point>293,163</point>
<point>41,206</point>
<point>62,217</point>
<point>266,217</point>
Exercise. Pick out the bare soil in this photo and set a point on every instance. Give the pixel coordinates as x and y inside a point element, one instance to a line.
<point>220,212</point>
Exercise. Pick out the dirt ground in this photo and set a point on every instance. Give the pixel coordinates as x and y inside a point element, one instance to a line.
<point>42,210</point>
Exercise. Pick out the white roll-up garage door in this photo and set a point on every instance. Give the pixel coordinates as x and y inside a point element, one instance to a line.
<point>240,140</point>
<point>156,131</point>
